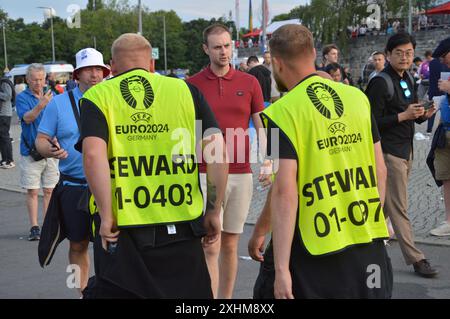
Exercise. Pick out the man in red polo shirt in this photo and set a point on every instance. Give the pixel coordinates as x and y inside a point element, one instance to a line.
<point>234,97</point>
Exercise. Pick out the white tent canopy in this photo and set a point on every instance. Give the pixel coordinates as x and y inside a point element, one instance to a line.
<point>277,24</point>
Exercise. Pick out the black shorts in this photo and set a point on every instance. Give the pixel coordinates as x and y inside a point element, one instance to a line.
<point>76,223</point>
<point>343,275</point>
<point>150,263</point>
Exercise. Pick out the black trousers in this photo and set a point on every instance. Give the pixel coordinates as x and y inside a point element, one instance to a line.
<point>430,123</point>
<point>5,139</point>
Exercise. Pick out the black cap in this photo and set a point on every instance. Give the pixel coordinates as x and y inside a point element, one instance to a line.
<point>443,48</point>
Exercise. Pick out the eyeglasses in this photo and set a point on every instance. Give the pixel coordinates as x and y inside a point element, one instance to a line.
<point>406,91</point>
<point>401,54</point>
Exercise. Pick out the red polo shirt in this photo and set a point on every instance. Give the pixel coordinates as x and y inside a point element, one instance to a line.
<point>233,98</point>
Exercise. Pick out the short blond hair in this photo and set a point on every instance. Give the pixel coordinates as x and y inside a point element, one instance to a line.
<point>292,41</point>
<point>130,42</point>
<point>215,28</point>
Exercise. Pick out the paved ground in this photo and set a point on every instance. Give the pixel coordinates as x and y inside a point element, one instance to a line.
<point>21,276</point>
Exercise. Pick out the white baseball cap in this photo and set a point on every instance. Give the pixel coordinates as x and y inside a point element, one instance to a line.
<point>90,57</point>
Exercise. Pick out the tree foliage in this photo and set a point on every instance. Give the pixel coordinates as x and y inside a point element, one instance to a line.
<point>328,20</point>
<point>100,25</point>
<point>31,42</point>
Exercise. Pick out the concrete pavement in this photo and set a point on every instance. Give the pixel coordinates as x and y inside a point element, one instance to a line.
<point>22,277</point>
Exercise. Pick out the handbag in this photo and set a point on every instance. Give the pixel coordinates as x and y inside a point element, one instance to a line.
<point>35,155</point>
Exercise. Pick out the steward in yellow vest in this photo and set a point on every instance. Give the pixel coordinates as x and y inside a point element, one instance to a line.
<point>326,212</point>
<point>151,152</point>
<point>339,204</point>
<point>139,153</point>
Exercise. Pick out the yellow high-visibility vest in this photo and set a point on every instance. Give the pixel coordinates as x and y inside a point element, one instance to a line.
<point>329,126</point>
<point>151,148</point>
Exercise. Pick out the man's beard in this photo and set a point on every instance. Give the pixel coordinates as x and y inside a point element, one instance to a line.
<point>280,85</point>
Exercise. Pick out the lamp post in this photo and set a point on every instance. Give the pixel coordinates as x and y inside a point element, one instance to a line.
<point>4,47</point>
<point>264,28</point>
<point>140,17</point>
<point>48,13</point>
<point>165,46</point>
<point>410,16</point>
<point>95,39</point>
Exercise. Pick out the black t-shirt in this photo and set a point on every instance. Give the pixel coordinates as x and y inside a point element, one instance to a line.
<point>359,272</point>
<point>94,124</point>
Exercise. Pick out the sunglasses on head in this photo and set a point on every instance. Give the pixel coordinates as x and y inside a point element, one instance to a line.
<point>406,91</point>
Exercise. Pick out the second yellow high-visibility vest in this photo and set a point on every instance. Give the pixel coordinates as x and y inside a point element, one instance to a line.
<point>329,126</point>
<point>151,148</point>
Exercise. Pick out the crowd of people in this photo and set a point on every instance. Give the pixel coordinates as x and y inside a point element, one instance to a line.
<point>156,170</point>
<point>393,26</point>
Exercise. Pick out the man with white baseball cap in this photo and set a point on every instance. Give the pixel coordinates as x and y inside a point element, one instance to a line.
<point>58,132</point>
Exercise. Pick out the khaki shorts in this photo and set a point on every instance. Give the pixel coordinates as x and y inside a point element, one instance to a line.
<point>34,175</point>
<point>238,196</point>
<point>442,160</point>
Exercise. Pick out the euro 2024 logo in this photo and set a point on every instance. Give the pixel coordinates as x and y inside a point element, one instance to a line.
<point>326,100</point>
<point>138,93</point>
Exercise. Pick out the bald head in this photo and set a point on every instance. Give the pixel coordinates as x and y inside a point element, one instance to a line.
<point>130,51</point>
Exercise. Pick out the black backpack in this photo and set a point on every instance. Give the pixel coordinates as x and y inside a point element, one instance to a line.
<point>13,91</point>
<point>390,84</point>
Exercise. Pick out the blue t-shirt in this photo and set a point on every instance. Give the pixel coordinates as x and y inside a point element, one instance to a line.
<point>25,102</point>
<point>58,120</point>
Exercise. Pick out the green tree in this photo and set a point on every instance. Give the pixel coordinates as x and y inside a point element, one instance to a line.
<point>175,44</point>
<point>195,57</point>
<point>94,5</point>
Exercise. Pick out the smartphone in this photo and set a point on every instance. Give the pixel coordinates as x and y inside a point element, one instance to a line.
<point>53,144</point>
<point>46,88</point>
<point>427,105</point>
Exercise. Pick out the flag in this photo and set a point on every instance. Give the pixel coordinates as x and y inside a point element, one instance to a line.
<point>250,17</point>
<point>237,17</point>
<point>266,13</point>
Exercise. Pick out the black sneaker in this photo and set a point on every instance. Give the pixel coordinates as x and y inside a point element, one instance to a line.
<point>35,233</point>
<point>423,268</point>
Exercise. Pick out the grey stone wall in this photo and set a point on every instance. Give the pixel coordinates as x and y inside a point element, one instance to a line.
<point>360,49</point>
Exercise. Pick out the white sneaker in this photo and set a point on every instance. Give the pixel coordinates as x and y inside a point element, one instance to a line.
<point>442,230</point>
<point>8,165</point>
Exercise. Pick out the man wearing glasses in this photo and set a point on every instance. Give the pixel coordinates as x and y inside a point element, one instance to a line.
<point>395,116</point>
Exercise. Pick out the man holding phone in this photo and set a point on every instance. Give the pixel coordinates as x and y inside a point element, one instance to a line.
<point>427,105</point>
<point>35,171</point>
<point>396,116</point>
<point>58,132</point>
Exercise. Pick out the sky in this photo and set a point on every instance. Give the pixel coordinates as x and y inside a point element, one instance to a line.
<point>186,9</point>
